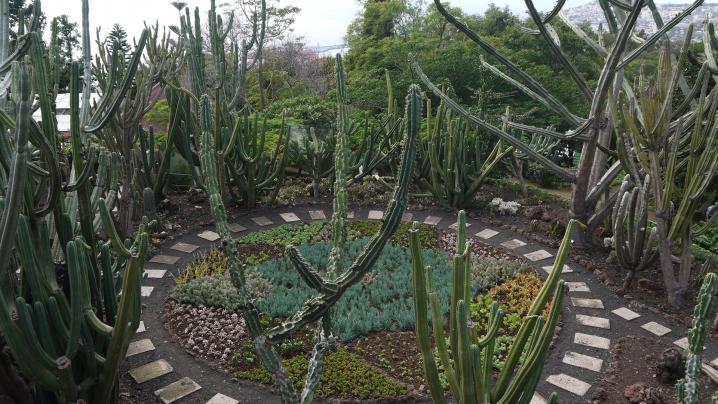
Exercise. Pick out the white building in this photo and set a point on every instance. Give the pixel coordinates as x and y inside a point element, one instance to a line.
<point>62,106</point>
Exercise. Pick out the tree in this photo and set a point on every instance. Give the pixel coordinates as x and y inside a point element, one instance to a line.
<point>118,37</point>
<point>65,42</point>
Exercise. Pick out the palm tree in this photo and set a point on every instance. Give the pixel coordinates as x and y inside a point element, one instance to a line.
<point>179,5</point>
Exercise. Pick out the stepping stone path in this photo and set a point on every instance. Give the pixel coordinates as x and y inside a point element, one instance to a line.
<point>655,328</point>
<point>209,235</point>
<point>456,226</point>
<point>289,217</point>
<point>575,358</point>
<point>513,244</point>
<point>262,221</point>
<point>174,391</point>
<point>375,215</point>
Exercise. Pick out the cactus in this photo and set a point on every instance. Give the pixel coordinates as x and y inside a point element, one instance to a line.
<point>68,342</point>
<point>636,244</point>
<point>317,158</point>
<point>677,150</point>
<point>469,371</point>
<point>687,388</point>
<point>592,176</point>
<point>452,149</point>
<point>329,283</point>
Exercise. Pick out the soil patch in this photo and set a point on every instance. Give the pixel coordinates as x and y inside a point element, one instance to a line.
<point>632,370</point>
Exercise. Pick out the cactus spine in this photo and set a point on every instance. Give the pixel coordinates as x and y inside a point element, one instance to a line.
<point>687,388</point>
<point>468,360</point>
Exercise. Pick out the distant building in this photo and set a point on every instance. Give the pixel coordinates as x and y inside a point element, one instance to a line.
<point>62,109</point>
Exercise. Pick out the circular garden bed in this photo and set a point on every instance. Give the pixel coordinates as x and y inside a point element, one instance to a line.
<point>377,357</point>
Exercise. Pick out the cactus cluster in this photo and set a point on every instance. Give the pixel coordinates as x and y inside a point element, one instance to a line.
<point>635,243</point>
<point>67,339</point>
<point>467,361</point>
<point>452,169</point>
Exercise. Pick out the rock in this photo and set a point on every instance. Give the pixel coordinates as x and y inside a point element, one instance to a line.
<point>671,366</point>
<point>639,393</point>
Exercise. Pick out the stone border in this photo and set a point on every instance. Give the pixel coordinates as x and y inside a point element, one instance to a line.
<point>591,317</point>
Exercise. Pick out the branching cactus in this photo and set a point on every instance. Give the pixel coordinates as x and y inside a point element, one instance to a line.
<point>592,176</point>
<point>455,171</point>
<point>468,360</point>
<point>331,282</point>
<point>317,157</point>
<point>635,244</point>
<point>687,388</point>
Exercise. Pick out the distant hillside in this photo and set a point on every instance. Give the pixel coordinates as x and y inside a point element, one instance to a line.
<point>592,14</point>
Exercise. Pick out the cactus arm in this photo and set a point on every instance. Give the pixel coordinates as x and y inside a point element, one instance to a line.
<point>420,275</point>
<point>86,172</point>
<point>439,340</point>
<point>308,272</point>
<point>109,227</point>
<point>659,34</point>
<point>568,175</point>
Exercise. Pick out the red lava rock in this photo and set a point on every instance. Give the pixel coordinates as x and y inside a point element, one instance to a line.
<point>639,393</point>
<point>671,366</point>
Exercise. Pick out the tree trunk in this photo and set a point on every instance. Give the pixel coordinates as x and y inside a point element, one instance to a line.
<point>578,207</point>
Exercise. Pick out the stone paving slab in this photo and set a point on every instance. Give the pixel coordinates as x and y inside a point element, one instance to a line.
<point>317,215</point>
<point>376,215</point>
<point>626,313</point>
<point>151,371</point>
<point>593,341</point>
<point>569,383</point>
<point>583,361</point>
<point>455,225</point>
<point>141,327</point>
<point>486,234</point>
<point>184,247</point>
<point>549,268</point>
<point>577,287</point>
<point>538,255</point>
<point>513,244</point>
<point>208,235</point>
<point>593,321</point>
<point>174,391</point>
<point>350,215</point>
<point>139,346</point>
<point>432,220</point>
<point>222,399</point>
<point>164,259</point>
<point>406,217</point>
<point>155,273</point>
<point>262,221</point>
<point>289,217</point>
<point>146,291</point>
<point>236,228</point>
<point>714,363</point>
<point>655,328</point>
<point>537,399</point>
<point>587,303</point>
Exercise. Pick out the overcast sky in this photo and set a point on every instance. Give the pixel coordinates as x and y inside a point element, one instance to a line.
<point>321,22</point>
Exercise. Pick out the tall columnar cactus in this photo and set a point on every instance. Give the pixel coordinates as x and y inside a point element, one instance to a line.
<point>454,171</point>
<point>592,176</point>
<point>468,360</point>
<point>678,150</point>
<point>67,340</point>
<point>687,388</point>
<point>329,283</point>
<point>317,158</point>
<point>635,243</point>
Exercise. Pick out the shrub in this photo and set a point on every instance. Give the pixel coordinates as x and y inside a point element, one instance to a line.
<point>486,272</point>
<point>306,110</point>
<point>213,262</point>
<point>218,290</point>
<point>286,234</point>
<point>502,207</point>
<point>345,376</point>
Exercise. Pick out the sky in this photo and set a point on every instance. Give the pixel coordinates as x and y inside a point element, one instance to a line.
<point>320,22</point>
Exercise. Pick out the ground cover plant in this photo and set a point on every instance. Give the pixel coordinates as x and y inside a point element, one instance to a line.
<point>379,308</point>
